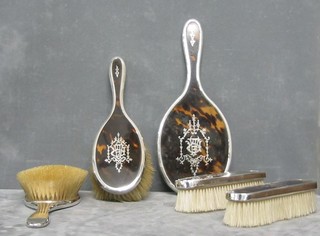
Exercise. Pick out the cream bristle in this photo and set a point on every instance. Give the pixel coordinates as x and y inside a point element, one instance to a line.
<point>208,199</point>
<point>52,182</point>
<point>267,211</point>
<point>137,194</point>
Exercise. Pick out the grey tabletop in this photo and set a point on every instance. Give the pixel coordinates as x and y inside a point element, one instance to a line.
<point>152,216</point>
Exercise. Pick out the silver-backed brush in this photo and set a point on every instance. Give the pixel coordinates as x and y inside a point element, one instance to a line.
<point>207,192</point>
<point>270,190</point>
<point>267,203</point>
<point>209,180</point>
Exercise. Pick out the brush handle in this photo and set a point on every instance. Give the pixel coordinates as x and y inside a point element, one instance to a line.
<point>117,81</point>
<point>192,45</point>
<point>40,218</point>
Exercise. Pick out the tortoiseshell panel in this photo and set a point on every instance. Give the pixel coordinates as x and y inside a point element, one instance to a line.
<point>108,171</point>
<point>194,103</point>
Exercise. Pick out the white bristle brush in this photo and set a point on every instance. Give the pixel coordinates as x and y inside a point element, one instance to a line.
<point>268,203</point>
<point>207,192</point>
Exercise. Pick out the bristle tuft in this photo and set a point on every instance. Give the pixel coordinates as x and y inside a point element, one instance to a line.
<point>137,194</point>
<point>207,199</point>
<point>52,182</point>
<point>267,211</point>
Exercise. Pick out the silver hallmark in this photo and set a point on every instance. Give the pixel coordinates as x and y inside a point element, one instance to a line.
<point>193,139</point>
<point>118,152</point>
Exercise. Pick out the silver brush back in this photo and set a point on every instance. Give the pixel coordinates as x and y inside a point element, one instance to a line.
<point>270,190</point>
<point>212,180</point>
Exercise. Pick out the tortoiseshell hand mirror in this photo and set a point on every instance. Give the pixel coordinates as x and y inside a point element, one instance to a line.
<point>119,152</point>
<point>194,137</point>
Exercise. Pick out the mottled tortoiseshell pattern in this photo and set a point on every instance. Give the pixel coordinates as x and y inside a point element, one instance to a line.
<point>194,103</point>
<point>107,171</point>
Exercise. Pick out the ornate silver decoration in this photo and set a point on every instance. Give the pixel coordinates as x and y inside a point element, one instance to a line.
<point>118,152</point>
<point>192,35</point>
<point>117,71</point>
<point>193,138</point>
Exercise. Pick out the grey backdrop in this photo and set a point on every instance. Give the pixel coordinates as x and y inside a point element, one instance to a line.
<point>260,65</point>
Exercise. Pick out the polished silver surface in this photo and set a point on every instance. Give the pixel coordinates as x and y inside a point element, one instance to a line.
<point>210,180</point>
<point>54,205</point>
<point>40,220</point>
<point>271,190</point>
<point>37,222</point>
